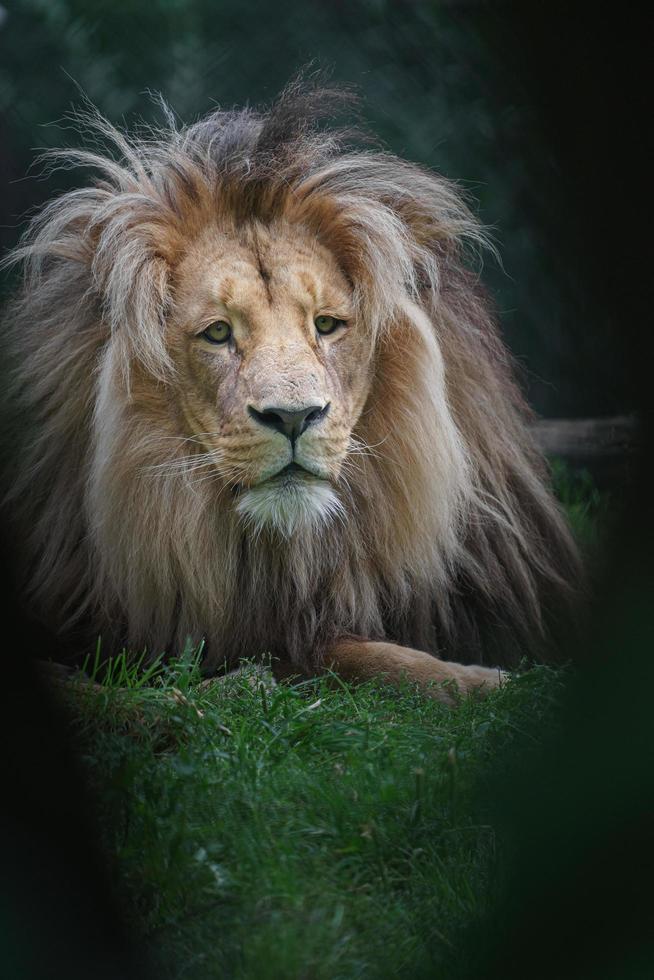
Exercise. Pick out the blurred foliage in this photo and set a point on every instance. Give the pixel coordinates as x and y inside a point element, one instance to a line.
<point>437,88</point>
<point>588,509</point>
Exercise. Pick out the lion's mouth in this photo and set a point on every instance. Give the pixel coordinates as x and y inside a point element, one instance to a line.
<point>292,471</point>
<point>293,468</point>
<point>289,475</point>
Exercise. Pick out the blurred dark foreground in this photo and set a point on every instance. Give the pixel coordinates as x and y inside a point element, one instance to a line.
<point>577,818</point>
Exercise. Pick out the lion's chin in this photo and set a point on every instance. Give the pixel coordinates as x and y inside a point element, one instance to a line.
<point>289,506</point>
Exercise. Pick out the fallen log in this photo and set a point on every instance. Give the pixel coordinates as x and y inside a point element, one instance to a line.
<point>606,447</point>
<point>587,437</point>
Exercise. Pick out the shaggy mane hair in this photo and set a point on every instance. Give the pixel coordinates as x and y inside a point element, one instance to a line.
<point>449,541</point>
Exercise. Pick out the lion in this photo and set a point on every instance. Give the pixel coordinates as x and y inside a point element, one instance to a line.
<point>264,404</point>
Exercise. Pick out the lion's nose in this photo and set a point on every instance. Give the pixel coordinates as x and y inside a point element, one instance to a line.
<point>290,422</point>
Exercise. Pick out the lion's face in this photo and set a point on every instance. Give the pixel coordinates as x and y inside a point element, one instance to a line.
<point>272,370</point>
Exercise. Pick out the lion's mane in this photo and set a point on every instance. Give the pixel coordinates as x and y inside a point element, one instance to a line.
<point>450,540</point>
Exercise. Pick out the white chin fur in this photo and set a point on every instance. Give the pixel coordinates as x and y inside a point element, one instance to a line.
<point>290,506</point>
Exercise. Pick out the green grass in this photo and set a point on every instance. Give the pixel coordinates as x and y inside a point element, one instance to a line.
<point>314,831</point>
<point>309,831</point>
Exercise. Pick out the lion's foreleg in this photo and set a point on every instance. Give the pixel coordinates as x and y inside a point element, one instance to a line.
<point>360,660</point>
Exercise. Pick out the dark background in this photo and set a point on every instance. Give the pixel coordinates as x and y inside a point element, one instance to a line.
<point>473,90</point>
<point>541,110</point>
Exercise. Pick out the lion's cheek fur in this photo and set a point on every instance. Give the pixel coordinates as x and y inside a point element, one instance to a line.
<point>423,500</point>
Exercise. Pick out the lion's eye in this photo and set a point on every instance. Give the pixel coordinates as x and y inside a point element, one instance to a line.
<point>327,324</point>
<point>217,333</point>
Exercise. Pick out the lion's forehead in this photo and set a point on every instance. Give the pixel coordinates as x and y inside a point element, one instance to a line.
<point>254,276</point>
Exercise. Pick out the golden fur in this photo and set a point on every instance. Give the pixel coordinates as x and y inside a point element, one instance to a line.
<point>145,480</point>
